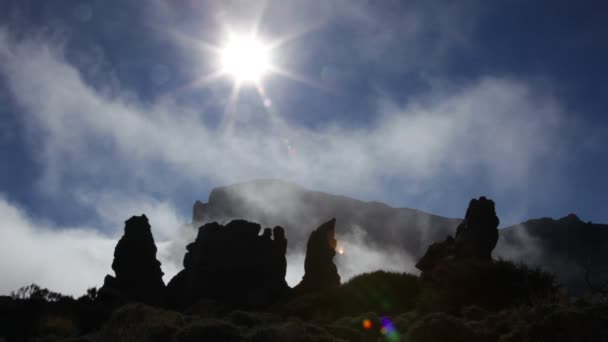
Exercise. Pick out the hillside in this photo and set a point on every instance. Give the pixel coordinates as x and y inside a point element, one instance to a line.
<point>273,202</point>
<point>562,246</point>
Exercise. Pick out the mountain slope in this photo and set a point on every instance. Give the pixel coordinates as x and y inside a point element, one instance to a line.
<point>566,247</point>
<point>273,202</point>
<point>376,235</point>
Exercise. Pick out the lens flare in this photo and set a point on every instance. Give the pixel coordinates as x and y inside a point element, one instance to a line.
<point>388,329</point>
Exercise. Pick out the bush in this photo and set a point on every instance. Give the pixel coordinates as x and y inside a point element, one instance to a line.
<point>57,325</point>
<point>35,292</point>
<point>439,327</point>
<point>383,292</point>
<point>250,319</point>
<point>474,313</point>
<point>568,324</point>
<point>211,330</point>
<point>492,285</point>
<point>349,334</point>
<point>138,322</point>
<point>292,331</point>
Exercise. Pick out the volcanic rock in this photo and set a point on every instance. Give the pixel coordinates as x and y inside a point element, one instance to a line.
<point>138,272</point>
<point>320,272</point>
<point>476,237</point>
<point>232,264</point>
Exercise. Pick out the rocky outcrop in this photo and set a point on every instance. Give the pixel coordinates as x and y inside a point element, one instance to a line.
<point>138,272</point>
<point>476,237</point>
<point>320,272</point>
<point>233,264</point>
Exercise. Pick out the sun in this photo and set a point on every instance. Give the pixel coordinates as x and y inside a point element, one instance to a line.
<point>246,58</point>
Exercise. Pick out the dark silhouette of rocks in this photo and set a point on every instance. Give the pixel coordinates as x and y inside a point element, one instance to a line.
<point>233,264</point>
<point>476,237</point>
<point>436,253</point>
<point>320,272</point>
<point>138,272</point>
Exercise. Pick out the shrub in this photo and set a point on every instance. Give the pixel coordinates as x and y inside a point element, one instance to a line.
<point>439,327</point>
<point>35,292</point>
<point>348,334</point>
<point>292,331</point>
<point>383,292</point>
<point>250,319</point>
<point>474,313</point>
<point>138,322</point>
<point>492,285</point>
<point>57,325</point>
<point>210,330</point>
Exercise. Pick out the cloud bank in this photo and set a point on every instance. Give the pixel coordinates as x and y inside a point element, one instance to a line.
<point>85,133</point>
<point>67,260</point>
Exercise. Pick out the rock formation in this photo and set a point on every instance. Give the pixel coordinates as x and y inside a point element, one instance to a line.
<point>476,237</point>
<point>320,272</point>
<point>138,272</point>
<point>233,264</point>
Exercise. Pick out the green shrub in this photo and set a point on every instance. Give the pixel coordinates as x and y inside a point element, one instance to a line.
<point>249,319</point>
<point>349,334</point>
<point>383,292</point>
<point>474,313</point>
<point>292,331</point>
<point>492,285</point>
<point>57,325</point>
<point>138,322</point>
<point>210,330</point>
<point>265,334</point>
<point>439,327</point>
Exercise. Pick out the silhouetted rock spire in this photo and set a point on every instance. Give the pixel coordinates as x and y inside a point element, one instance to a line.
<point>320,272</point>
<point>233,264</point>
<point>138,272</point>
<point>476,237</point>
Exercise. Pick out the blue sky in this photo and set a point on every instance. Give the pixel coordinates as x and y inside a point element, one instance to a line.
<point>421,104</point>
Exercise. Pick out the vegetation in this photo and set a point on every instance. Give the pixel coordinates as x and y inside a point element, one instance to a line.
<point>34,292</point>
<point>491,285</point>
<point>382,292</point>
<point>496,301</point>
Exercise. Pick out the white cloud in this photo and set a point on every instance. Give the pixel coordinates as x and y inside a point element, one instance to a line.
<point>497,126</point>
<point>68,260</point>
<point>114,208</point>
<point>65,260</point>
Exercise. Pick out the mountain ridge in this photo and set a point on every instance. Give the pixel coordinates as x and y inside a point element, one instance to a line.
<point>559,245</point>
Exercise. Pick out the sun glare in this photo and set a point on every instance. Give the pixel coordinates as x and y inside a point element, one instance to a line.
<point>246,58</point>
